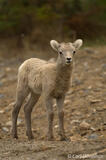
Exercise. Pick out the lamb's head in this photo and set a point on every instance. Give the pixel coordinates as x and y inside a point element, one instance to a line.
<point>66,51</point>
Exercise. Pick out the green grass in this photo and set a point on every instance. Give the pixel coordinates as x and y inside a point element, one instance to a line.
<point>100,41</point>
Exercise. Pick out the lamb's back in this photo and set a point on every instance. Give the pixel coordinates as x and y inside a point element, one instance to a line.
<point>36,71</point>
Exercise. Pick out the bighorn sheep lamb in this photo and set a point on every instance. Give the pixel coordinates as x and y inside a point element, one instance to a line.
<point>50,78</point>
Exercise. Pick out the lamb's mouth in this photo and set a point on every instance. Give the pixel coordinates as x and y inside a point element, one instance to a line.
<point>68,62</point>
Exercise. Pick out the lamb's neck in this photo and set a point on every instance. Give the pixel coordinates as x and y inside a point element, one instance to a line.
<point>62,81</point>
<point>64,70</point>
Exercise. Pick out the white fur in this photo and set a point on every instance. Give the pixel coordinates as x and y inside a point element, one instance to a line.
<point>78,43</point>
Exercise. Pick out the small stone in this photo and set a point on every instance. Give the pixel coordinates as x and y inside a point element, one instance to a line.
<point>56,126</point>
<point>67,102</point>
<point>104,66</point>
<point>1,96</point>
<point>89,87</point>
<point>76,82</point>
<point>54,105</point>
<point>19,121</point>
<point>75,121</point>
<point>9,123</point>
<point>93,129</point>
<point>77,113</point>
<point>104,107</point>
<point>104,74</point>
<point>85,125</point>
<point>93,136</point>
<point>75,138</point>
<point>86,91</point>
<point>94,110</point>
<point>95,100</point>
<point>9,106</point>
<point>5,129</point>
<point>2,111</point>
<point>86,64</point>
<point>8,69</point>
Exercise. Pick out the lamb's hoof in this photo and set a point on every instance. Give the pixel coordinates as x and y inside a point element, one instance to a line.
<point>50,138</point>
<point>64,138</point>
<point>30,137</point>
<point>14,136</point>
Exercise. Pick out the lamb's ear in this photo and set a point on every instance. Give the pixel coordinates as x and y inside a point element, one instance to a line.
<point>78,43</point>
<point>54,44</point>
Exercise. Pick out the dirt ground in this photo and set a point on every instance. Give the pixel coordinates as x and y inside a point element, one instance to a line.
<point>85,114</point>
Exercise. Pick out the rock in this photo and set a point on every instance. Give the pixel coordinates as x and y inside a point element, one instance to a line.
<point>104,107</point>
<point>8,108</point>
<point>95,100</point>
<point>85,64</point>
<point>93,129</point>
<point>76,82</point>
<point>104,66</point>
<point>86,92</point>
<point>86,67</point>
<point>99,109</point>
<point>54,105</point>
<point>75,138</point>
<point>8,69</point>
<point>56,126</point>
<point>1,96</point>
<point>85,125</point>
<point>11,104</point>
<point>93,110</point>
<point>5,129</point>
<point>70,92</point>
<point>77,113</point>
<point>75,121</point>
<point>67,102</point>
<point>9,123</point>
<point>19,121</point>
<point>104,74</point>
<point>93,136</point>
<point>2,111</point>
<point>89,87</point>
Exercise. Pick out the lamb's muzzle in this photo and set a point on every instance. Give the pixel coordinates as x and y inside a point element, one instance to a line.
<point>52,79</point>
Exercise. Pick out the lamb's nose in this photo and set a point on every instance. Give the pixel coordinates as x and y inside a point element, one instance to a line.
<point>69,59</point>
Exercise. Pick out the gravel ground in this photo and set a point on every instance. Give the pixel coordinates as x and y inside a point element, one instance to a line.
<point>85,114</point>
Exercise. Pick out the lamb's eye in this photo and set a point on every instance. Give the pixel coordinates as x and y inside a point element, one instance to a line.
<point>74,52</point>
<point>60,52</point>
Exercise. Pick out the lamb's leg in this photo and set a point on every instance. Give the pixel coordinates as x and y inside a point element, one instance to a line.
<point>21,94</point>
<point>50,114</point>
<point>28,109</point>
<point>60,102</point>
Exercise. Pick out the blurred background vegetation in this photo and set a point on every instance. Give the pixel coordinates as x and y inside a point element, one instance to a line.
<point>42,20</point>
